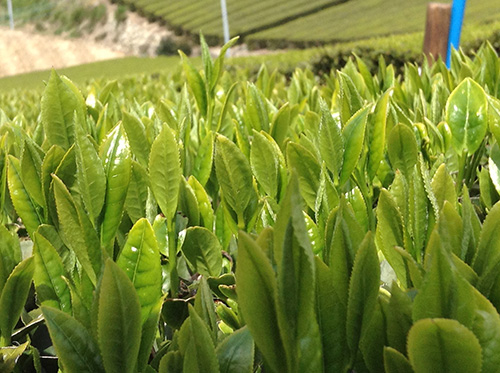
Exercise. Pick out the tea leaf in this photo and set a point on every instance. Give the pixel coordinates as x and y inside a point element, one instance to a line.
<point>115,155</point>
<point>332,315</point>
<point>308,170</point>
<point>236,352</point>
<point>136,135</point>
<point>196,84</point>
<point>257,290</point>
<point>444,187</point>
<point>378,122</point>
<point>402,149</point>
<point>389,233</point>
<point>363,289</point>
<point>137,193</point>
<point>203,251</point>
<point>443,345</point>
<point>10,252</point>
<point>353,133</point>
<point>14,295</point>
<point>467,116</point>
<point>57,112</point>
<point>90,176</point>
<point>202,347</point>
<point>140,260</point>
<point>74,345</point>
<point>165,172</point>
<point>22,200</point>
<point>265,163</point>
<point>234,176</point>
<point>203,162</point>
<point>52,290</point>
<point>119,320</point>
<point>444,293</point>
<point>77,231</point>
<point>331,143</point>
<point>396,362</point>
<point>31,169</point>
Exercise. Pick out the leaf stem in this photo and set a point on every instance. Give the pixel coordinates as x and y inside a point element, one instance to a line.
<point>4,341</point>
<point>172,259</point>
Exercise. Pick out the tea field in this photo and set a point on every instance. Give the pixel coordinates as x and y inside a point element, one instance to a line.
<point>318,21</point>
<point>210,219</point>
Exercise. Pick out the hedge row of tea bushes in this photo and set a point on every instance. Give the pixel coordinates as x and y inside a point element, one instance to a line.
<point>205,223</point>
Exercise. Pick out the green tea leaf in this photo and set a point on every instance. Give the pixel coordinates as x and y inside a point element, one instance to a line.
<point>10,252</point>
<point>398,318</point>
<point>396,362</point>
<point>196,84</point>
<point>115,155</point>
<point>77,231</point>
<point>136,134</point>
<point>377,131</point>
<point>90,176</point>
<point>74,345</point>
<point>308,170</point>
<point>203,251</point>
<point>389,233</point>
<point>257,290</point>
<point>203,350</point>
<point>219,62</point>
<point>51,288</point>
<point>486,327</point>
<point>296,289</point>
<point>140,260</point>
<point>23,202</point>
<point>235,177</point>
<point>354,134</point>
<point>14,295</point>
<point>444,293</point>
<point>331,143</point>
<point>188,205</point>
<point>203,162</point>
<point>444,187</point>
<point>57,112</point>
<point>256,112</point>
<point>204,306</point>
<point>402,149</point>
<point>118,321</point>
<point>204,205</point>
<point>137,193</point>
<point>363,290</point>
<point>165,172</point>
<point>31,172</point>
<point>264,161</point>
<point>236,352</point>
<point>488,251</point>
<point>50,162</point>
<point>494,166</point>
<point>467,116</point>
<point>332,315</point>
<point>442,345</point>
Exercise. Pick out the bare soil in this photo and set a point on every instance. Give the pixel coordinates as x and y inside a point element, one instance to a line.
<point>25,49</point>
<point>22,51</point>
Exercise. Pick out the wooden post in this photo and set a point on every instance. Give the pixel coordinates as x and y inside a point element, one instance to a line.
<point>436,30</point>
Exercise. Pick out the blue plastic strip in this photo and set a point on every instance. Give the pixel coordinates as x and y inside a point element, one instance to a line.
<point>456,21</point>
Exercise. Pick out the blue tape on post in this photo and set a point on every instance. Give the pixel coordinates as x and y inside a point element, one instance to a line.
<point>456,21</point>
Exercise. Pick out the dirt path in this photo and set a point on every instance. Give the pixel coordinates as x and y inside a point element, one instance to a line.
<point>21,51</point>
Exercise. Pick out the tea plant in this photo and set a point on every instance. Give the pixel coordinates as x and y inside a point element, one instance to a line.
<point>209,223</point>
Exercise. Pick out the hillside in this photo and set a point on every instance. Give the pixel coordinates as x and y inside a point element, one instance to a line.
<point>296,21</point>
